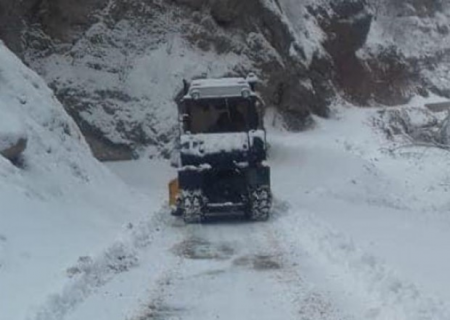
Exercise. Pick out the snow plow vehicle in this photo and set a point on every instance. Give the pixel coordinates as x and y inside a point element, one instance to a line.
<point>222,152</point>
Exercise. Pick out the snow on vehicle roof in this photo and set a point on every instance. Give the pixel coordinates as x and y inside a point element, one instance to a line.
<point>220,88</point>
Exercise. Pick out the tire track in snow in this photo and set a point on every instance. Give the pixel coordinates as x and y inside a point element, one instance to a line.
<point>158,308</point>
<point>222,268</point>
<point>235,270</point>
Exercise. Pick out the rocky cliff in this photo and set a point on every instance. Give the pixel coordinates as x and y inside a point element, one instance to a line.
<point>117,65</point>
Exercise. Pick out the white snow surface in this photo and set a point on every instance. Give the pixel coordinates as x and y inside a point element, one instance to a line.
<point>204,144</point>
<point>425,34</point>
<point>359,227</point>
<point>219,88</point>
<point>359,231</point>
<point>11,128</point>
<point>60,205</point>
<point>307,34</point>
<point>373,212</point>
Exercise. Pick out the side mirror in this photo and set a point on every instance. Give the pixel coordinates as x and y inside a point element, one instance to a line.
<point>185,87</point>
<point>252,80</point>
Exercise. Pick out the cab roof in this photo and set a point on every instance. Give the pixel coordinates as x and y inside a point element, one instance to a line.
<point>220,88</point>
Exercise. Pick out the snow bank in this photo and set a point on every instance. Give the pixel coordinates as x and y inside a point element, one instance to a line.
<point>374,215</point>
<point>382,292</point>
<point>60,205</point>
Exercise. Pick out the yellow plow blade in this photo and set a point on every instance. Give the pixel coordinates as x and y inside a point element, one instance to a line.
<point>174,190</point>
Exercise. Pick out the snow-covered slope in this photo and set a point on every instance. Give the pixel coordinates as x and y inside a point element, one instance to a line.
<point>58,204</point>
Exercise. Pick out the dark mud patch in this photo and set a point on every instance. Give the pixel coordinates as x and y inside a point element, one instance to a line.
<point>200,249</point>
<point>161,312</point>
<point>258,262</point>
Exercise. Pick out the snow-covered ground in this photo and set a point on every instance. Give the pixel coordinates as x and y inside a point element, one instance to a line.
<point>61,211</point>
<point>374,217</point>
<point>359,231</point>
<point>359,228</point>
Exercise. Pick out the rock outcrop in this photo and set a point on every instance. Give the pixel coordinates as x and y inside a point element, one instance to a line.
<point>13,136</point>
<point>118,65</point>
<point>14,150</point>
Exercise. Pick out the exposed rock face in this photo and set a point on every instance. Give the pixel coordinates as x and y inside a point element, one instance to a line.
<point>416,125</point>
<point>62,19</point>
<point>13,135</point>
<point>117,65</point>
<point>12,22</point>
<point>14,151</point>
<point>413,36</point>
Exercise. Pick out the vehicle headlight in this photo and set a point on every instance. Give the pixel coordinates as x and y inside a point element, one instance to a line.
<point>245,93</point>
<point>195,94</point>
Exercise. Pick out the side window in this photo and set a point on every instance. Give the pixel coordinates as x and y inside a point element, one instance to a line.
<point>239,115</point>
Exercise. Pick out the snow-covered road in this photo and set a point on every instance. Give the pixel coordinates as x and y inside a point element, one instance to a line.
<point>225,269</point>
<point>352,236</point>
<point>360,226</point>
<point>232,270</point>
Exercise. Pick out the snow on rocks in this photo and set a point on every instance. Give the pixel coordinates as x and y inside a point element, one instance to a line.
<point>129,98</point>
<point>13,137</point>
<point>418,124</point>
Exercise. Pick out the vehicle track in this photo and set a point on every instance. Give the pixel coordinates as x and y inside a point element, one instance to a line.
<point>234,269</point>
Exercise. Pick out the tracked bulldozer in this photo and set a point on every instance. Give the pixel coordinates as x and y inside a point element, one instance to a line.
<point>221,151</point>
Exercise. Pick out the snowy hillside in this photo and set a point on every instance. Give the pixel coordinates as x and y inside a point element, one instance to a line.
<point>58,204</point>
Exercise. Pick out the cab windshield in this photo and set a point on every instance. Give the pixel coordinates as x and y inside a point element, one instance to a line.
<point>221,115</point>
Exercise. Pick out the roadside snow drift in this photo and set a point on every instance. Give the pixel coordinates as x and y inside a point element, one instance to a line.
<point>57,203</point>
<point>372,212</point>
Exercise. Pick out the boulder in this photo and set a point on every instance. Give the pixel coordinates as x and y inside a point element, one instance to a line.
<point>15,149</point>
<point>13,137</point>
<point>225,11</point>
